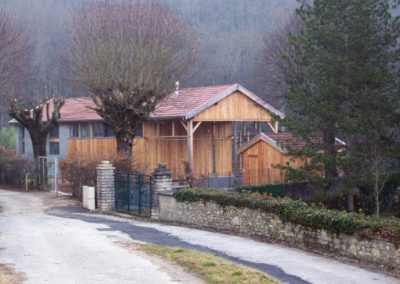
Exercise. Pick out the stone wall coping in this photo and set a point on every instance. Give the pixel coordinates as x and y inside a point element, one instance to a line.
<point>166,193</point>
<point>162,170</point>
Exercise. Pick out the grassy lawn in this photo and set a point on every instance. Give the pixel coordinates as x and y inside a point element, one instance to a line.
<point>211,268</point>
<point>8,275</point>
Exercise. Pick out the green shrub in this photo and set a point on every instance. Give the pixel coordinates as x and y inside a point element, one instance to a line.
<point>298,212</point>
<point>7,137</point>
<point>14,169</point>
<point>276,190</point>
<point>77,171</point>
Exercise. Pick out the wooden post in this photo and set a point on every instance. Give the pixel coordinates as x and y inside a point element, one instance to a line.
<point>214,154</point>
<point>190,144</point>
<point>235,149</point>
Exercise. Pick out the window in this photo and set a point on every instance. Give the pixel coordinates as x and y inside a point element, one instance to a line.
<point>22,129</point>
<point>54,132</point>
<point>139,130</point>
<point>108,131</point>
<point>74,131</point>
<point>99,130</point>
<point>85,130</point>
<point>54,148</point>
<point>22,139</point>
<point>166,128</point>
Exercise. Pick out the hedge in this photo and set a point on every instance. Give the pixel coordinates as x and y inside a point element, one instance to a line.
<point>276,190</point>
<point>13,169</point>
<point>298,212</point>
<point>78,170</point>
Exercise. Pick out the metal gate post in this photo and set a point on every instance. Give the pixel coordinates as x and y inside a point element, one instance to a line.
<point>128,191</point>
<point>139,187</point>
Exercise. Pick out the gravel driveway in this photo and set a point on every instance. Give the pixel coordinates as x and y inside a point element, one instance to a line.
<point>49,249</point>
<point>66,244</point>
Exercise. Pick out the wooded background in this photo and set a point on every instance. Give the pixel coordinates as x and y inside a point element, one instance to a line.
<point>231,38</point>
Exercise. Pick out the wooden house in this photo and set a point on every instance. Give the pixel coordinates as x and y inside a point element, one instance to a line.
<point>263,155</point>
<point>193,125</point>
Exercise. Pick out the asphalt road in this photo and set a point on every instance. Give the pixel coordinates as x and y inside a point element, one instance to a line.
<point>53,243</point>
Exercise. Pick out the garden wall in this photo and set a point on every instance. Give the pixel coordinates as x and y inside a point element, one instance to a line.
<point>258,223</point>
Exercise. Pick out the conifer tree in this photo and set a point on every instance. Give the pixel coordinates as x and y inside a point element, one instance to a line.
<point>349,55</point>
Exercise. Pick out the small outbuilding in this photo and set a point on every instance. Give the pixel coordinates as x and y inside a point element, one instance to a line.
<point>263,153</point>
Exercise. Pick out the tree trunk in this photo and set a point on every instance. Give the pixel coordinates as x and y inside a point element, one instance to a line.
<point>350,201</point>
<point>39,149</point>
<point>330,149</point>
<point>377,205</point>
<point>124,145</point>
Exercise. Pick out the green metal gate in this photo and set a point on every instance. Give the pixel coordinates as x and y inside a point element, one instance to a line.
<point>133,193</point>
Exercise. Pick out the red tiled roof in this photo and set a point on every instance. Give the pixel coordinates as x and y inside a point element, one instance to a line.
<point>79,109</point>
<point>74,109</point>
<point>282,141</point>
<point>286,139</point>
<point>180,103</point>
<point>184,103</point>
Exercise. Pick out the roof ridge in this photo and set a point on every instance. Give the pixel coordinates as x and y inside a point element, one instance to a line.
<point>208,87</point>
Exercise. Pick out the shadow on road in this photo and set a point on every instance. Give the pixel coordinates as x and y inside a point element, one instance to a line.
<point>153,236</point>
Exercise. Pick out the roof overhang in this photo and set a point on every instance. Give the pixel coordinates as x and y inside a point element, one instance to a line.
<point>266,139</point>
<point>229,91</point>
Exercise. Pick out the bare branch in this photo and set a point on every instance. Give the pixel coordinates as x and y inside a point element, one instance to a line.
<point>129,55</point>
<point>16,50</point>
<point>274,70</point>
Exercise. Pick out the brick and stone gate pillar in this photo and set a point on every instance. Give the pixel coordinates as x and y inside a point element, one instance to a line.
<point>105,192</point>
<point>162,183</point>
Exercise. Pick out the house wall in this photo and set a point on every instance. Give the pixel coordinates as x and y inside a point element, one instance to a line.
<point>259,161</point>
<point>63,140</point>
<point>173,151</point>
<point>235,107</point>
<point>19,141</point>
<point>151,150</point>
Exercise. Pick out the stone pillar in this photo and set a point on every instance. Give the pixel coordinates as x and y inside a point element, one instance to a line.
<point>162,183</point>
<point>105,192</point>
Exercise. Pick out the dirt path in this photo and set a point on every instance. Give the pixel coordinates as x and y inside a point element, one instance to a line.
<point>48,249</point>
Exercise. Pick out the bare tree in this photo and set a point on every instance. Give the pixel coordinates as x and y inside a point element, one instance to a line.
<point>274,71</point>
<point>38,117</point>
<point>16,50</point>
<point>129,56</point>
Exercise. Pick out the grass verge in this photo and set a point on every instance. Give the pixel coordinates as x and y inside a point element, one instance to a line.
<point>211,268</point>
<point>8,275</point>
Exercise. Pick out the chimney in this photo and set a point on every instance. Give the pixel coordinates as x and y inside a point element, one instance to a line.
<point>177,88</point>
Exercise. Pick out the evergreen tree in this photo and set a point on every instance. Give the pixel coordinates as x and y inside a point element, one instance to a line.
<point>348,52</point>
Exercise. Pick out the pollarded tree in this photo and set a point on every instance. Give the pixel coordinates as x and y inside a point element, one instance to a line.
<point>129,55</point>
<point>38,117</point>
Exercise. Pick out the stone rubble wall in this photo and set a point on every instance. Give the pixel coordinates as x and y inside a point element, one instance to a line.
<point>258,223</point>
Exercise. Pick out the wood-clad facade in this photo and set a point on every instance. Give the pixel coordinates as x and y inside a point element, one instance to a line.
<point>235,107</point>
<point>169,148</point>
<point>260,160</point>
<point>192,126</point>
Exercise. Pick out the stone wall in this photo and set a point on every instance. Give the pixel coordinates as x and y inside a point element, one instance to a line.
<point>258,223</point>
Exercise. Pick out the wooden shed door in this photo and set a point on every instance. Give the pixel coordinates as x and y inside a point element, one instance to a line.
<point>253,169</point>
